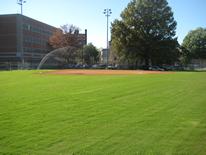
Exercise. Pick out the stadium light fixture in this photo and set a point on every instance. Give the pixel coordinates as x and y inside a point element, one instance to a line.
<point>21,2</point>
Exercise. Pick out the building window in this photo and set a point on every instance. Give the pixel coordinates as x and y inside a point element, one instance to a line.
<point>27,27</point>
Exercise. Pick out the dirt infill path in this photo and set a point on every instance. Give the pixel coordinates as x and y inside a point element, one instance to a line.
<point>104,72</point>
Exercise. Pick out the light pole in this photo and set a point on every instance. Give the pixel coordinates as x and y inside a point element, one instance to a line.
<point>21,2</point>
<point>107,13</point>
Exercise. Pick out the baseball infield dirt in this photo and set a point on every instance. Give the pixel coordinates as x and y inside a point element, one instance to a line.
<point>104,72</point>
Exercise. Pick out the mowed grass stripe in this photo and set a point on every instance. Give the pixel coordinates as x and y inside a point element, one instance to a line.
<point>137,114</point>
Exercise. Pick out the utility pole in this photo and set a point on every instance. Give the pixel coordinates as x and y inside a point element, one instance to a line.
<point>107,13</point>
<point>21,2</point>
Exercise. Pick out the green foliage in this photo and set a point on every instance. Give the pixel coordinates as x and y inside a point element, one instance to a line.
<point>122,115</point>
<point>90,54</point>
<point>195,44</point>
<point>146,31</point>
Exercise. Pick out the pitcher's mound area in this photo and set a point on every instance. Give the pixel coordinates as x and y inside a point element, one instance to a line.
<point>104,72</point>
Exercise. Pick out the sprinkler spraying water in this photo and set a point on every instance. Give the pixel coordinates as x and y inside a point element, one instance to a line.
<point>60,56</point>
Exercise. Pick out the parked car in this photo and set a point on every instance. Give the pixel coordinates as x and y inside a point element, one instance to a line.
<point>99,66</point>
<point>156,68</point>
<point>112,67</point>
<point>168,68</point>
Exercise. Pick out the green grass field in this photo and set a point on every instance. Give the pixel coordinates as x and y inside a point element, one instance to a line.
<point>122,115</point>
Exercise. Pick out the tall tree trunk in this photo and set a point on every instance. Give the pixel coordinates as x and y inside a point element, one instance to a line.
<point>147,62</point>
<point>136,61</point>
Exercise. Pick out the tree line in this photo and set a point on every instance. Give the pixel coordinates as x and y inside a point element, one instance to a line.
<point>144,36</point>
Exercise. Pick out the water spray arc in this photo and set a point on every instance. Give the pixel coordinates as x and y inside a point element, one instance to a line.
<point>61,55</point>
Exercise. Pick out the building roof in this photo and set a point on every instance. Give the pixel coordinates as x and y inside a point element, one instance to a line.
<point>10,15</point>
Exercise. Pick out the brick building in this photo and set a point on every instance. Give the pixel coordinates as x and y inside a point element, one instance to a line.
<point>24,41</point>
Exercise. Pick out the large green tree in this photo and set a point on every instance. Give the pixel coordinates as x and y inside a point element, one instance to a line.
<point>194,44</point>
<point>90,54</point>
<point>146,31</point>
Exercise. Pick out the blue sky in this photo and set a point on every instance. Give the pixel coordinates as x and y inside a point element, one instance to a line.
<point>88,14</point>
